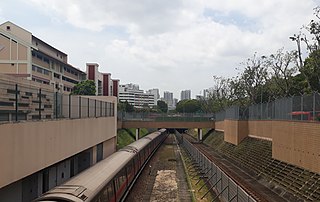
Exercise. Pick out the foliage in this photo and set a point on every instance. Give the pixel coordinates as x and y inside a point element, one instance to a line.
<point>188,106</point>
<point>86,87</point>
<point>311,70</point>
<point>125,106</point>
<point>162,106</point>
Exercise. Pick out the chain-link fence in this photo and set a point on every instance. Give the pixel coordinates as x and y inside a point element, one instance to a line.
<point>214,177</point>
<point>23,101</point>
<point>305,107</point>
<point>233,112</point>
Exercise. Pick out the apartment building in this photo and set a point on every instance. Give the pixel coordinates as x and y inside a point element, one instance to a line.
<point>135,96</point>
<point>24,55</point>
<point>185,95</point>
<point>105,85</point>
<point>47,135</point>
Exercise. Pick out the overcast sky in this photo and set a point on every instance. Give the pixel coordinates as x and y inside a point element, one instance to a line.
<point>167,44</point>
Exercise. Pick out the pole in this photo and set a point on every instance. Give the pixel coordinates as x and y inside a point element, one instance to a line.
<point>56,105</point>
<point>69,106</point>
<point>16,102</point>
<point>80,107</point>
<point>88,107</point>
<point>40,103</point>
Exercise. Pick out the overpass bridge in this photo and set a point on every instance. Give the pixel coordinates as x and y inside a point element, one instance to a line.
<point>157,120</point>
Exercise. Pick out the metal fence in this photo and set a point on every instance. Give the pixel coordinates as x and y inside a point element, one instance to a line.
<point>70,106</point>
<point>214,177</point>
<point>305,107</point>
<point>148,116</point>
<point>233,112</point>
<point>27,102</point>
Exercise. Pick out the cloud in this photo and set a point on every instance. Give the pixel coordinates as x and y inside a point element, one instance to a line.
<point>175,45</point>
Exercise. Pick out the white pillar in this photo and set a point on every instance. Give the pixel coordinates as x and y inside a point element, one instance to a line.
<point>137,133</point>
<point>200,134</point>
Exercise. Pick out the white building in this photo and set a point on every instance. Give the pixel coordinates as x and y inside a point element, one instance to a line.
<point>136,97</point>
<point>168,98</point>
<point>156,94</point>
<point>185,95</point>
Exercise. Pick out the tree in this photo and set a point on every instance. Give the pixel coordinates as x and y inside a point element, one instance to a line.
<point>162,106</point>
<point>311,70</point>
<point>86,87</point>
<point>283,71</point>
<point>125,106</point>
<point>254,77</point>
<point>188,106</point>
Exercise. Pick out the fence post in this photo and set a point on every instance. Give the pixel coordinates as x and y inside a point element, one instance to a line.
<point>40,104</point>
<point>79,107</point>
<point>301,107</point>
<point>69,106</point>
<point>100,108</point>
<point>16,102</point>
<point>314,106</point>
<point>95,108</point>
<point>56,105</point>
<point>88,107</point>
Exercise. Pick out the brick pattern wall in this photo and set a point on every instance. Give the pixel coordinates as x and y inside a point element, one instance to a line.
<point>297,143</point>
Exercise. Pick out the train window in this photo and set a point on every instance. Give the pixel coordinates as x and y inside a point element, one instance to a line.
<point>130,171</point>
<point>121,182</point>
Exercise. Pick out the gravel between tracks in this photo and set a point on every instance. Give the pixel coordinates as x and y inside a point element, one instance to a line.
<point>164,178</point>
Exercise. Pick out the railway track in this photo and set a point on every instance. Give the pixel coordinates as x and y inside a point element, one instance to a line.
<point>256,190</point>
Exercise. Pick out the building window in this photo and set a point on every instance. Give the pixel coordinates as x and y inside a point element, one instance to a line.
<point>8,28</point>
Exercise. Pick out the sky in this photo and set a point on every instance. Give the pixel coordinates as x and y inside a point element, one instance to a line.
<point>171,45</point>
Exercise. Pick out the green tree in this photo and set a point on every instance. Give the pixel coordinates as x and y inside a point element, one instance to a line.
<point>125,106</point>
<point>162,106</point>
<point>188,106</point>
<point>311,70</point>
<point>86,87</point>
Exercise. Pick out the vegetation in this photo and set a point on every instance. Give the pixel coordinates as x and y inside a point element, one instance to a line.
<point>127,136</point>
<point>86,87</point>
<point>162,106</point>
<point>188,106</point>
<point>125,107</point>
<point>266,78</point>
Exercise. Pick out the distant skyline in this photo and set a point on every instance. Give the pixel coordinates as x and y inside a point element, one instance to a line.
<point>169,45</point>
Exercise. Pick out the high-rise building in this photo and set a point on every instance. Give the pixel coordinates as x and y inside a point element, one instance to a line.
<point>135,96</point>
<point>168,98</point>
<point>185,95</point>
<point>24,55</point>
<point>156,94</point>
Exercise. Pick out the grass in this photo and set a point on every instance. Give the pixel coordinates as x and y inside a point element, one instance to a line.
<point>192,181</point>
<point>124,138</point>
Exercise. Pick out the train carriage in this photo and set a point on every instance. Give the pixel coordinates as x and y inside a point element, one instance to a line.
<point>109,179</point>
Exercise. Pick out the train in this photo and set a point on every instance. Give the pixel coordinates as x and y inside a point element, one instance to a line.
<point>111,178</point>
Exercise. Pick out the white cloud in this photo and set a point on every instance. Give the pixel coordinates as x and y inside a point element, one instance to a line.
<point>172,45</point>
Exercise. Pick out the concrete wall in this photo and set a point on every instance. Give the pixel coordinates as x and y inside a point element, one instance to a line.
<point>219,125</point>
<point>28,147</point>
<point>235,131</point>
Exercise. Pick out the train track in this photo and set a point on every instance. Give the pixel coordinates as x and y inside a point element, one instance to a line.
<point>256,190</point>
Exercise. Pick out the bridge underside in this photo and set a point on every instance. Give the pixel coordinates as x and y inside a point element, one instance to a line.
<point>165,124</point>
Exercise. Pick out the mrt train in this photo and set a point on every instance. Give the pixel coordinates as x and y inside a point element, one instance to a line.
<point>109,179</point>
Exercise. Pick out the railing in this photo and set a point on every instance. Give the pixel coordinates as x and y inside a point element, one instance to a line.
<point>303,108</point>
<point>183,117</point>
<point>215,178</point>
<point>22,100</point>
